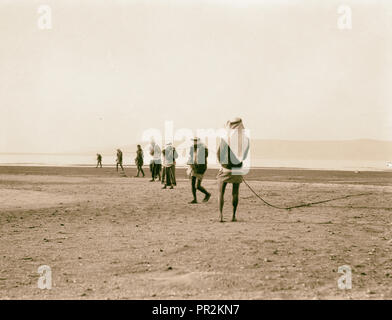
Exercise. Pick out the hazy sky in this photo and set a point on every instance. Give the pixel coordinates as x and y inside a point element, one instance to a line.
<point>107,70</point>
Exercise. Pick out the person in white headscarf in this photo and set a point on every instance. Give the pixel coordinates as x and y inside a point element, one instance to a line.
<point>155,163</point>
<point>232,151</point>
<point>197,162</point>
<point>169,156</point>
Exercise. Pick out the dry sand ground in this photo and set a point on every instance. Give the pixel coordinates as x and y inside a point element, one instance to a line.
<point>106,236</point>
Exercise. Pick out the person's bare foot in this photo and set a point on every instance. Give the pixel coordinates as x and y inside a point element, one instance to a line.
<point>207,197</point>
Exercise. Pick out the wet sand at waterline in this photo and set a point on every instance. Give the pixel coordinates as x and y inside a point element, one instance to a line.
<point>106,236</point>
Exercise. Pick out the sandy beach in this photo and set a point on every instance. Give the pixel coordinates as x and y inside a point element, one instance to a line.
<point>106,236</point>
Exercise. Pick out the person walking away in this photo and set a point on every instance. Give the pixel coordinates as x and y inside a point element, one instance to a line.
<point>155,162</point>
<point>197,162</point>
<point>99,160</point>
<point>169,155</point>
<point>119,160</point>
<point>232,151</point>
<point>139,160</point>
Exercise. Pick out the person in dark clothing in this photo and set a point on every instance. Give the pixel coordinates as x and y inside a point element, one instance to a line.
<point>169,155</point>
<point>139,160</point>
<point>157,170</point>
<point>197,162</point>
<point>119,160</point>
<point>99,160</point>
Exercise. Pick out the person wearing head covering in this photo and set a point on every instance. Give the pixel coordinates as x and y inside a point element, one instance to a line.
<point>155,163</point>
<point>232,151</point>
<point>119,160</point>
<point>197,162</point>
<point>99,160</point>
<point>139,160</point>
<point>169,156</point>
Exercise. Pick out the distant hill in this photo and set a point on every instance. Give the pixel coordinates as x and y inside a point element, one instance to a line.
<point>362,149</point>
<point>323,150</point>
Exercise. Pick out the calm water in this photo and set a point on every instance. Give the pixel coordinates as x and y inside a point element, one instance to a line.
<point>109,160</point>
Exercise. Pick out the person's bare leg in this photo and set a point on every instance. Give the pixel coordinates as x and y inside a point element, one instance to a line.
<point>164,178</point>
<point>236,188</point>
<point>222,188</point>
<point>159,174</point>
<point>193,185</point>
<point>207,195</point>
<point>152,169</point>
<point>170,177</point>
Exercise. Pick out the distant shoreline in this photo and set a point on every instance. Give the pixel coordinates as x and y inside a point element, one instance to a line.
<point>274,161</point>
<point>292,175</point>
<point>212,167</point>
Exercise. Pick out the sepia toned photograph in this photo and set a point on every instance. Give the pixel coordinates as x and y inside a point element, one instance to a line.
<point>222,150</point>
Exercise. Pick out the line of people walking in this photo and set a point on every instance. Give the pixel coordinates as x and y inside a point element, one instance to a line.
<point>232,151</point>
<point>119,160</point>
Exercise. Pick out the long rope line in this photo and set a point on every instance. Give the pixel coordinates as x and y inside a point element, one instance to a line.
<point>304,204</point>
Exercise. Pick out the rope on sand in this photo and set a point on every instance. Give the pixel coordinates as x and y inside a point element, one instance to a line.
<point>304,204</point>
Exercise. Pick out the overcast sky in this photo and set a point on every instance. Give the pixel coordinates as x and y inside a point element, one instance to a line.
<point>107,70</point>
